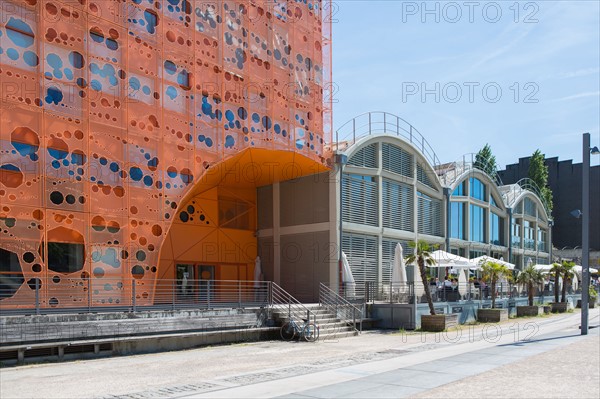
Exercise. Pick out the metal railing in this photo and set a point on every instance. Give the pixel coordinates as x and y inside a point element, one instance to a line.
<point>450,173</point>
<point>343,309</point>
<point>283,301</point>
<point>389,292</point>
<point>377,122</point>
<point>512,192</point>
<point>56,294</point>
<point>408,293</point>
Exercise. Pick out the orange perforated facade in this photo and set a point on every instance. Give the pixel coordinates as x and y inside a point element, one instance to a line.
<point>131,130</point>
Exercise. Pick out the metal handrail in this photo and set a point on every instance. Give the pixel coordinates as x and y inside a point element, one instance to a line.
<point>519,188</point>
<point>281,299</point>
<point>340,306</point>
<point>76,294</point>
<point>80,294</point>
<point>391,124</point>
<point>468,162</point>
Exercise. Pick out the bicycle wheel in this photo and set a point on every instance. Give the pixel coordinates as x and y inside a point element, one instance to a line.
<point>311,332</point>
<point>288,332</point>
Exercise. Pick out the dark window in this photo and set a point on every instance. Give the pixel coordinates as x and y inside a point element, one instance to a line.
<point>236,214</point>
<point>64,257</point>
<point>11,276</point>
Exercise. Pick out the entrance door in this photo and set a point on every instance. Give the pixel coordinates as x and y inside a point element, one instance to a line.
<point>206,276</point>
<point>184,279</point>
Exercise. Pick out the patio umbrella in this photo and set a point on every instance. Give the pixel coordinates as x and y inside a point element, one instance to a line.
<point>398,269</point>
<point>483,259</point>
<point>543,268</point>
<point>462,281</point>
<point>579,275</point>
<point>347,277</point>
<point>257,272</point>
<point>579,270</point>
<point>446,259</point>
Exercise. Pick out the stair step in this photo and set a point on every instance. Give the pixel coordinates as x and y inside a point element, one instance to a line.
<point>326,337</point>
<point>330,326</point>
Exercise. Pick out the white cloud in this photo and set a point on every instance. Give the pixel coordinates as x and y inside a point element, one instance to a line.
<point>578,96</point>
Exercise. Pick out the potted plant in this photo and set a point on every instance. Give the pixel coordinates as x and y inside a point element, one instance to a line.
<point>530,277</point>
<point>562,270</point>
<point>592,297</point>
<point>547,308</point>
<point>492,272</point>
<point>421,257</point>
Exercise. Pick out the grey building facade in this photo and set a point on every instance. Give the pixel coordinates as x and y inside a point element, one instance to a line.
<point>564,178</point>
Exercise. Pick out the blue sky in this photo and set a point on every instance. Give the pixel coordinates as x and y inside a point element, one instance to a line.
<point>386,52</point>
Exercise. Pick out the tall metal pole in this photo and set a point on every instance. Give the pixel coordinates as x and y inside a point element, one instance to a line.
<point>585,234</point>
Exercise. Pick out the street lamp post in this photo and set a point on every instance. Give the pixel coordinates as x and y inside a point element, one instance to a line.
<point>585,231</point>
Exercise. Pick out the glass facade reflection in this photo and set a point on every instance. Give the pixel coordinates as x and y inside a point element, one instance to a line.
<point>477,223</point>
<point>476,189</point>
<point>496,229</point>
<point>457,220</point>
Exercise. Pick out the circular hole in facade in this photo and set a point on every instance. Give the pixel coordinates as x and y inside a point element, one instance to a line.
<point>32,282</point>
<point>137,271</point>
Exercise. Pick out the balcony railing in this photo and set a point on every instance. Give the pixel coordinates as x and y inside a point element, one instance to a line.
<point>377,122</point>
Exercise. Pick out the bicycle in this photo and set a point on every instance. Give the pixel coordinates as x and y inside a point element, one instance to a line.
<point>309,331</point>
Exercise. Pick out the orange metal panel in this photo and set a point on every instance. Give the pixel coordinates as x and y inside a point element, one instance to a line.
<point>116,116</point>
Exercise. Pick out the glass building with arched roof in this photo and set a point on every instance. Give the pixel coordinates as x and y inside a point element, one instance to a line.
<point>395,190</point>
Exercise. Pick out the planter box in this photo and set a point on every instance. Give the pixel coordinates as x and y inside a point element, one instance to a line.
<point>547,309</point>
<point>438,322</point>
<point>529,310</point>
<point>592,304</point>
<point>559,307</point>
<point>492,315</point>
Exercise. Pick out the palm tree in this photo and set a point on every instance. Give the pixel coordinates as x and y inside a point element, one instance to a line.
<point>556,270</point>
<point>422,257</point>
<point>530,277</point>
<point>567,273</point>
<point>492,272</point>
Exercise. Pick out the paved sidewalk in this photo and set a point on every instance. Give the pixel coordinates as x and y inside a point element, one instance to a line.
<point>373,364</point>
<point>448,365</point>
<point>552,366</point>
<point>570,371</point>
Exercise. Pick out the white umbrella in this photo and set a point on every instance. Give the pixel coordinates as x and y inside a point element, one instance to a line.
<point>543,268</point>
<point>483,259</point>
<point>398,269</point>
<point>579,270</point>
<point>462,281</point>
<point>419,290</point>
<point>257,272</point>
<point>446,259</point>
<point>347,277</point>
<point>579,275</point>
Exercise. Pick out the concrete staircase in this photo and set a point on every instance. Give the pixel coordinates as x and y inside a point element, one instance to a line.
<point>330,326</point>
